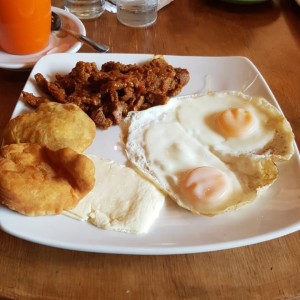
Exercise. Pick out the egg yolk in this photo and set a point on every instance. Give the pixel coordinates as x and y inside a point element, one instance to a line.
<point>235,122</point>
<point>205,185</point>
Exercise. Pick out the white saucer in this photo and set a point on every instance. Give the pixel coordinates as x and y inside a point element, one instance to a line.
<point>59,42</point>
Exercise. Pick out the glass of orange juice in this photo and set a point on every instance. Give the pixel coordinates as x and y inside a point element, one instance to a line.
<point>25,25</point>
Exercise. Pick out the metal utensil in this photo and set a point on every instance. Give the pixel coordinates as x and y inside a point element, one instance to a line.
<point>56,25</point>
<point>110,6</point>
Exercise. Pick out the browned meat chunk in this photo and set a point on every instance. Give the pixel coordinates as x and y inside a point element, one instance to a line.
<point>32,100</point>
<point>109,93</point>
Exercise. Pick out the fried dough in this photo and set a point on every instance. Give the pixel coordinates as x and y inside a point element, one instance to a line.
<point>35,180</point>
<point>53,125</point>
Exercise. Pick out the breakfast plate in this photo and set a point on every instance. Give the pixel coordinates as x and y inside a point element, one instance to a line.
<point>176,231</point>
<point>59,42</point>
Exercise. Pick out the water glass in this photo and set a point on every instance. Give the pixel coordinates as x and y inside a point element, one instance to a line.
<point>85,9</point>
<point>137,13</point>
<point>25,25</point>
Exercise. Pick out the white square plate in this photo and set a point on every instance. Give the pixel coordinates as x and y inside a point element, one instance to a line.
<point>176,231</point>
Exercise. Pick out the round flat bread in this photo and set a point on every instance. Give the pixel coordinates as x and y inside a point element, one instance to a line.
<point>53,125</point>
<point>121,200</point>
<point>35,180</point>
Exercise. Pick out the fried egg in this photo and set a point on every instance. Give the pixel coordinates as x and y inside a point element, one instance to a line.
<point>210,153</point>
<point>121,200</point>
<point>231,122</point>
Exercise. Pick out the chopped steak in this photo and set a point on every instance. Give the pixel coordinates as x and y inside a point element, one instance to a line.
<point>109,93</point>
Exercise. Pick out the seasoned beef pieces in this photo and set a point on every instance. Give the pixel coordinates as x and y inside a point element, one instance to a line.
<point>108,94</point>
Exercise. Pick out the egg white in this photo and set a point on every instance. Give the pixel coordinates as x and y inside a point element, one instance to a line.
<point>166,141</point>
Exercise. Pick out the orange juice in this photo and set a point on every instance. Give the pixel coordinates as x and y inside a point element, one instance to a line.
<point>25,25</point>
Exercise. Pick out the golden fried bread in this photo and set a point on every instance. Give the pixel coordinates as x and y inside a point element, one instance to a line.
<point>35,180</point>
<point>53,125</point>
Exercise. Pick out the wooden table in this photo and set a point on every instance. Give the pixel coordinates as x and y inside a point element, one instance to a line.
<point>266,33</point>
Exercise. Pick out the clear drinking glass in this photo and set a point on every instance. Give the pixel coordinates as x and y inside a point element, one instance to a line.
<point>85,9</point>
<point>137,13</point>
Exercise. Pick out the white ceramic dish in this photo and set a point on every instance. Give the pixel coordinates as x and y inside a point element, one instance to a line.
<point>59,42</point>
<point>176,231</point>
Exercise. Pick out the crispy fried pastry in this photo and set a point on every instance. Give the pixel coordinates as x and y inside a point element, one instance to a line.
<point>53,125</point>
<point>35,180</point>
